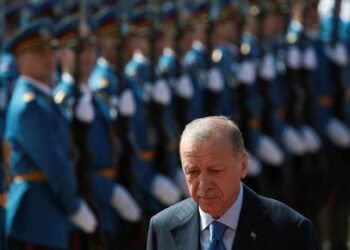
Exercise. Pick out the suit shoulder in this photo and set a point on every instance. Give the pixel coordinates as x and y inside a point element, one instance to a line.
<point>280,212</point>
<point>177,212</point>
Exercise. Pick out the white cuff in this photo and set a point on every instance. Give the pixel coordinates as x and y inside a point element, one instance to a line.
<point>84,218</point>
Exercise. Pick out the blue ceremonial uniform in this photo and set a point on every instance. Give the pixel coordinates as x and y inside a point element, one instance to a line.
<point>138,76</point>
<point>195,62</point>
<point>225,58</point>
<point>100,145</point>
<point>38,135</point>
<point>104,78</point>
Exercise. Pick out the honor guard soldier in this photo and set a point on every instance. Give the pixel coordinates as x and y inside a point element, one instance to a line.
<point>250,103</point>
<point>43,196</point>
<point>195,60</point>
<point>332,102</point>
<point>225,58</point>
<point>156,189</point>
<point>110,197</point>
<point>164,91</point>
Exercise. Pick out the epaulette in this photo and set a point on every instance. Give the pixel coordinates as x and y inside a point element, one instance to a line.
<point>59,97</point>
<point>216,55</point>
<point>103,83</point>
<point>28,97</point>
<point>245,48</point>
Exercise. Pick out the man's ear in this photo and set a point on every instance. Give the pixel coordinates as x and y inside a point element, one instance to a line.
<point>244,165</point>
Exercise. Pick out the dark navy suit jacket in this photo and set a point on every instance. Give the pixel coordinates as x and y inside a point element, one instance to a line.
<point>264,224</point>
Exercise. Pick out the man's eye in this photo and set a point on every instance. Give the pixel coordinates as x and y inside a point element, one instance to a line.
<point>192,172</point>
<point>216,171</point>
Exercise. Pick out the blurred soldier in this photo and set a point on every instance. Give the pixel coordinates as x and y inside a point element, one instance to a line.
<point>225,56</point>
<point>165,89</point>
<point>250,104</point>
<point>43,196</point>
<point>155,188</point>
<point>9,19</point>
<point>195,60</point>
<point>334,100</point>
<point>110,197</point>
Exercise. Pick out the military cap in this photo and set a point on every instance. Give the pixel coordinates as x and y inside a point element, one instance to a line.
<point>167,15</point>
<point>108,21</point>
<point>197,12</point>
<point>36,34</point>
<point>138,21</point>
<point>67,31</point>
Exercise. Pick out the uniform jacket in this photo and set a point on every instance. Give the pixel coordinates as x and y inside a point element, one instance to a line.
<point>38,135</point>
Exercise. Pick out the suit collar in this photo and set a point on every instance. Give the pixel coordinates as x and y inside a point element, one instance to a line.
<point>254,225</point>
<point>186,230</point>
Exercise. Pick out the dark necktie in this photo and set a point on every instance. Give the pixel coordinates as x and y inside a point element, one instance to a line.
<point>217,231</point>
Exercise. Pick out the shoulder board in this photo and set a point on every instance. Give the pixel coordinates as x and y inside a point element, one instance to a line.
<point>216,55</point>
<point>103,83</point>
<point>28,97</point>
<point>59,97</point>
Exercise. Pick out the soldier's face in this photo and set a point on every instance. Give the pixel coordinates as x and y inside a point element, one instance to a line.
<point>38,64</point>
<point>213,173</point>
<point>108,45</point>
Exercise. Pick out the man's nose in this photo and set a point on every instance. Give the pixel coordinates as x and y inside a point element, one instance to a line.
<point>204,184</point>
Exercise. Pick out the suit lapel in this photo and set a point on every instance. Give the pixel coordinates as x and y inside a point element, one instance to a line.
<point>186,232</point>
<point>254,224</point>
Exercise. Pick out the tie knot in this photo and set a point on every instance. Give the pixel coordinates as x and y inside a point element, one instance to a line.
<point>217,230</point>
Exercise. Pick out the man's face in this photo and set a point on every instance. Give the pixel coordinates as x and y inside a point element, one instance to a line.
<point>38,64</point>
<point>108,45</point>
<point>213,172</point>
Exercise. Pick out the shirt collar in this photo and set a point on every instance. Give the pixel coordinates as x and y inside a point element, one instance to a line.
<point>104,63</point>
<point>140,58</point>
<point>67,78</point>
<point>39,85</point>
<point>229,218</point>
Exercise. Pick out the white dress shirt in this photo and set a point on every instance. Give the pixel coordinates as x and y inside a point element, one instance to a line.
<point>229,218</point>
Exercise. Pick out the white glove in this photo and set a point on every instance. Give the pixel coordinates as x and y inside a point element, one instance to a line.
<point>126,105</point>
<point>161,92</point>
<point>268,69</point>
<point>293,57</point>
<point>309,59</point>
<point>247,72</point>
<point>254,166</point>
<point>184,87</point>
<point>125,205</point>
<point>84,218</point>
<point>180,180</point>
<point>165,190</point>
<point>85,110</point>
<point>215,80</point>
<point>338,54</point>
<point>338,133</point>
<point>268,151</point>
<point>293,141</point>
<point>311,139</point>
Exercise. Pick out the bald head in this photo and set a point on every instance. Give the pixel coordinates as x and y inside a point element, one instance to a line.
<point>214,126</point>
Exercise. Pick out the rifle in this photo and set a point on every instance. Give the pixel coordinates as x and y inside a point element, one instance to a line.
<point>157,110</point>
<point>335,69</point>
<point>122,125</point>
<point>134,232</point>
<point>80,133</point>
<point>210,98</point>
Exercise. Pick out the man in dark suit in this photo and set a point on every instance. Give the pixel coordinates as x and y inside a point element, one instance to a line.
<point>223,213</point>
